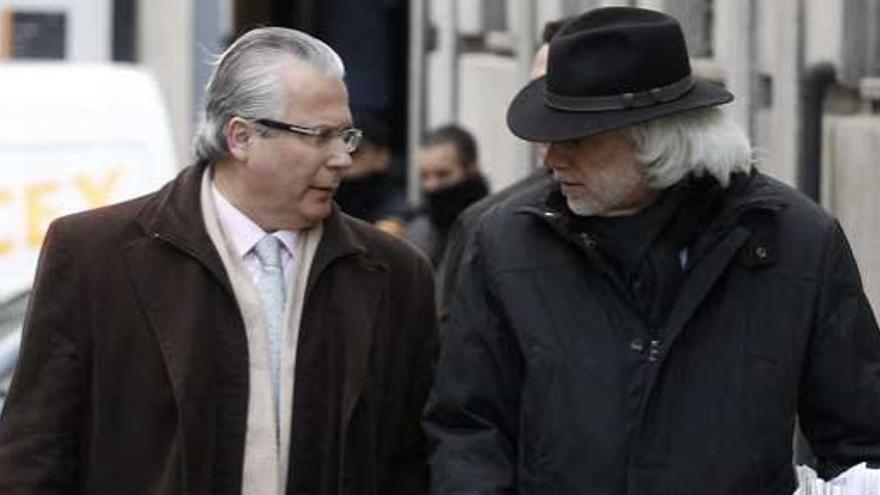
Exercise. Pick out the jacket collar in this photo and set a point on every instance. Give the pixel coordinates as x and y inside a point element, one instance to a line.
<point>338,241</point>
<point>753,192</point>
<point>171,218</point>
<point>175,217</point>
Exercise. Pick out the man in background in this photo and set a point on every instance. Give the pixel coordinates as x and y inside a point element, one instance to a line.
<point>464,225</point>
<point>450,181</point>
<point>368,190</point>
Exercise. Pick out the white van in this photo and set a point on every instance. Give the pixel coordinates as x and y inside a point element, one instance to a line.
<point>72,137</point>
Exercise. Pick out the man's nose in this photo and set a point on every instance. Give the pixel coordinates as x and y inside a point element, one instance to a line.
<point>553,158</point>
<point>339,157</point>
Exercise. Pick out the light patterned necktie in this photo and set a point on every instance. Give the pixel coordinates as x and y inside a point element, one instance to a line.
<point>270,285</point>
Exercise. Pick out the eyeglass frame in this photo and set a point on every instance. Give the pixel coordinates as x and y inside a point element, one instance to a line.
<point>323,134</point>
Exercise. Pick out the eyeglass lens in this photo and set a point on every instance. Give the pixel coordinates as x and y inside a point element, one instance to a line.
<point>352,139</point>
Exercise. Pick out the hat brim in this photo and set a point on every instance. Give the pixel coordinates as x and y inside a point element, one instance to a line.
<point>529,118</point>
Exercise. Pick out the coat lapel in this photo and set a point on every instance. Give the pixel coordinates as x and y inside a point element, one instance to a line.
<point>697,287</point>
<point>175,235</point>
<point>706,273</point>
<point>699,283</point>
<point>181,284</point>
<point>358,323</point>
<point>175,218</point>
<point>359,284</point>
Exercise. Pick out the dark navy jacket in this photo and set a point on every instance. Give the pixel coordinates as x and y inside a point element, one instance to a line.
<point>549,383</point>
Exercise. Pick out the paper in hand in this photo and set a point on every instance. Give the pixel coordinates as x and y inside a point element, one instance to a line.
<point>857,480</point>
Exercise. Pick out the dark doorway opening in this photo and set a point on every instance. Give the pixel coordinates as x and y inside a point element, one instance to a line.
<point>370,35</point>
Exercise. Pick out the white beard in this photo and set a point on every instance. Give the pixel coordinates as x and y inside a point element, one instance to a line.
<point>607,192</point>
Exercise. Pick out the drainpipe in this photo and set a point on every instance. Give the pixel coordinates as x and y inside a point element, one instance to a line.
<point>815,82</point>
<point>125,23</point>
<point>418,12</point>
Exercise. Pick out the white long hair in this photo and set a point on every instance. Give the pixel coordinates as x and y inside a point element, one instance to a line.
<point>697,142</point>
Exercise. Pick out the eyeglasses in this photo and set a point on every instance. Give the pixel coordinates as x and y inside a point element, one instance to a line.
<point>351,137</point>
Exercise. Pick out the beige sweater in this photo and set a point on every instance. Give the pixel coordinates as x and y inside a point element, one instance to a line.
<point>265,462</point>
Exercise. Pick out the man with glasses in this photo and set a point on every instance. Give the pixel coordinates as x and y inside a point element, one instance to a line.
<point>232,332</point>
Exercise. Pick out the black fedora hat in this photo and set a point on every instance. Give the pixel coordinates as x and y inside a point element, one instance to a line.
<point>610,68</point>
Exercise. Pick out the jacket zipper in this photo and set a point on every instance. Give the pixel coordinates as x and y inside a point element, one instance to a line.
<point>589,246</point>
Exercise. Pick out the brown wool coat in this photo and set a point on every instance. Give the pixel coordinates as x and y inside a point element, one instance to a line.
<point>133,375</point>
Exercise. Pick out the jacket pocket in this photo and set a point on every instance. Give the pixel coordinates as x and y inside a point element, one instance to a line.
<point>536,402</point>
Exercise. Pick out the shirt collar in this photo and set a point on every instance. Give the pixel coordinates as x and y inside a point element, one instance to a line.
<point>242,232</point>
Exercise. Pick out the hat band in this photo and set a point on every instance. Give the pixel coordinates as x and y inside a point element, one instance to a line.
<point>623,101</point>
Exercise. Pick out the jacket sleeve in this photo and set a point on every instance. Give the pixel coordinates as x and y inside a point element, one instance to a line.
<point>840,395</point>
<point>40,426</point>
<point>451,262</point>
<point>410,471</point>
<point>471,415</point>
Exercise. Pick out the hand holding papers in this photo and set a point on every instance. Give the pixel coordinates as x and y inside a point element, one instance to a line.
<point>857,480</point>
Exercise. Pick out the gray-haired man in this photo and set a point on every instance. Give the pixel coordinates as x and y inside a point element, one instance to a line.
<point>232,332</point>
<point>653,320</point>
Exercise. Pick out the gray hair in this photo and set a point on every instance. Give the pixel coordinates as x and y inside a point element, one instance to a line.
<point>697,142</point>
<point>246,82</point>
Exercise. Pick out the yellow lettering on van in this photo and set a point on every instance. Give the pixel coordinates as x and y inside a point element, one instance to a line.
<point>37,213</point>
<point>5,244</point>
<point>97,193</point>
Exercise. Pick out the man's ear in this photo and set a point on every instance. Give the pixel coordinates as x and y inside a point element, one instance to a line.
<point>238,136</point>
